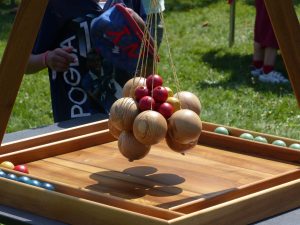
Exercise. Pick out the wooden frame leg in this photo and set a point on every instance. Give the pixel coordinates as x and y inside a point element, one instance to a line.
<point>287,30</point>
<point>16,54</point>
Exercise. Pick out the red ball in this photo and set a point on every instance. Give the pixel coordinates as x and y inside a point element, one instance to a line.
<point>140,92</point>
<point>157,105</point>
<point>153,81</point>
<point>166,109</point>
<point>146,103</point>
<point>21,168</point>
<point>160,94</point>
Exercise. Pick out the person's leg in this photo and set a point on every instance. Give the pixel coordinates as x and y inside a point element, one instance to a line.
<point>259,52</point>
<point>269,59</point>
<point>257,59</point>
<point>269,74</point>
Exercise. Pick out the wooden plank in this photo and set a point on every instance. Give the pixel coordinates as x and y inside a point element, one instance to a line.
<point>166,186</point>
<point>203,203</point>
<point>236,132</point>
<point>57,148</point>
<point>247,209</point>
<point>200,176</point>
<point>16,54</point>
<point>237,144</point>
<point>102,198</point>
<point>53,136</point>
<point>287,30</point>
<point>68,209</point>
<point>106,182</point>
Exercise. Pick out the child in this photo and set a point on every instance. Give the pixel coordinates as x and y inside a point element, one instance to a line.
<point>265,48</point>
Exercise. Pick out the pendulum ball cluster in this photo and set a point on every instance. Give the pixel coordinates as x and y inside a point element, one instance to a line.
<point>150,112</point>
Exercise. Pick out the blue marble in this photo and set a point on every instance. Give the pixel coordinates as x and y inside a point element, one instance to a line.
<point>35,183</point>
<point>24,179</point>
<point>12,176</point>
<point>48,186</point>
<point>2,173</point>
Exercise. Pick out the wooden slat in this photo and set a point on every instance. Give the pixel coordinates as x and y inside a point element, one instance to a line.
<point>236,144</point>
<point>53,136</point>
<point>236,132</point>
<point>68,209</point>
<point>287,30</point>
<point>57,148</point>
<point>203,203</point>
<point>105,182</point>
<point>210,172</point>
<point>247,209</point>
<point>16,54</point>
<point>80,192</point>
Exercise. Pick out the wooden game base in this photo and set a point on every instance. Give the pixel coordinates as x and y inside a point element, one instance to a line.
<point>224,179</point>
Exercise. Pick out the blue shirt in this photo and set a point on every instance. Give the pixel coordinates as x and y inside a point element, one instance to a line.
<point>66,23</point>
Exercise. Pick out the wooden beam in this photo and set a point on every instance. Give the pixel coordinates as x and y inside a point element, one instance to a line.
<point>287,30</point>
<point>16,54</point>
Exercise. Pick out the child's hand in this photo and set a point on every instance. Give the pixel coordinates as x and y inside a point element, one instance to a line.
<point>60,59</point>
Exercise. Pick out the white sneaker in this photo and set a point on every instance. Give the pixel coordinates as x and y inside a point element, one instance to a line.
<point>256,72</point>
<point>273,77</point>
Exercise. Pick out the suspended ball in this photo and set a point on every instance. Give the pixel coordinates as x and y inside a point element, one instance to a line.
<point>184,126</point>
<point>189,101</point>
<point>123,113</point>
<point>178,147</point>
<point>132,84</point>
<point>113,130</point>
<point>131,148</point>
<point>150,127</point>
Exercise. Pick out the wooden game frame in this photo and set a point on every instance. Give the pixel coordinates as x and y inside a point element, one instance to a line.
<point>83,206</point>
<point>246,204</point>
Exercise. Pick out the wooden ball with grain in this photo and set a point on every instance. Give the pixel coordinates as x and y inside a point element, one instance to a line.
<point>184,126</point>
<point>115,132</point>
<point>178,147</point>
<point>123,112</point>
<point>130,147</point>
<point>188,100</point>
<point>132,84</point>
<point>150,127</point>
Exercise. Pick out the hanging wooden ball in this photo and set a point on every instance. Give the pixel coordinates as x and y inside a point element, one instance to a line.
<point>184,126</point>
<point>132,84</point>
<point>150,127</point>
<point>123,113</point>
<point>115,132</point>
<point>131,148</point>
<point>189,101</point>
<point>178,147</point>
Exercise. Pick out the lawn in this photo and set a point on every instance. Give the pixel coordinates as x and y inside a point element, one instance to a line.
<point>197,32</point>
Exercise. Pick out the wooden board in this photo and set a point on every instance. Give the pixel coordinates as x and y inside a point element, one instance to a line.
<point>16,54</point>
<point>225,179</point>
<point>165,187</point>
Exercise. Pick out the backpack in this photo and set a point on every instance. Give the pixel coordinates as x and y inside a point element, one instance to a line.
<point>117,35</point>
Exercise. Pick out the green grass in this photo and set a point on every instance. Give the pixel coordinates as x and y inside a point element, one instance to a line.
<point>198,35</point>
